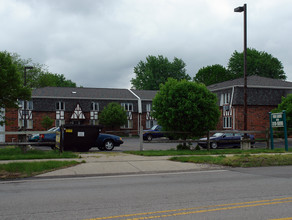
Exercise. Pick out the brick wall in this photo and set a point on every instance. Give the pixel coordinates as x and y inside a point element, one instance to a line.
<point>11,116</point>
<point>257,118</point>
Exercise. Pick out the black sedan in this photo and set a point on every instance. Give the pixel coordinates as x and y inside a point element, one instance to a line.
<point>224,140</point>
<point>108,142</point>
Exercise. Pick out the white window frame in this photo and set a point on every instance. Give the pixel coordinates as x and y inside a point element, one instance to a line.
<point>148,107</point>
<point>59,122</point>
<point>227,122</point>
<point>60,105</point>
<point>94,106</point>
<point>127,106</point>
<point>29,123</point>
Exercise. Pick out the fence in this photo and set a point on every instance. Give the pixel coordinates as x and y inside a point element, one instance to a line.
<point>265,133</point>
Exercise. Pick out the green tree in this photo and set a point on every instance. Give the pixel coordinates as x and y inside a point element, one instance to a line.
<point>258,63</point>
<point>186,107</point>
<point>286,105</point>
<point>47,122</point>
<point>39,76</point>
<point>11,86</point>
<point>156,71</point>
<point>213,74</point>
<point>113,115</point>
<point>54,80</point>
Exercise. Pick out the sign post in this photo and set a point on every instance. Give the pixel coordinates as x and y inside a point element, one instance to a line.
<point>278,120</point>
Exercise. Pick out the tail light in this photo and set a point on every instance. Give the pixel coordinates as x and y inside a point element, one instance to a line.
<point>42,136</point>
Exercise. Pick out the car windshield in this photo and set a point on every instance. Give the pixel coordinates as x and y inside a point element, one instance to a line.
<point>52,129</point>
<point>217,134</point>
<point>155,127</point>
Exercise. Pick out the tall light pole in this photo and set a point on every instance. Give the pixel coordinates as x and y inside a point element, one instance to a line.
<point>244,9</point>
<point>24,102</point>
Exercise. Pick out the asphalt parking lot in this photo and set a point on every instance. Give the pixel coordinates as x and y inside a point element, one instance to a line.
<point>133,144</point>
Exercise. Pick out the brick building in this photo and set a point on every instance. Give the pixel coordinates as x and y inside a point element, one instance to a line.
<point>263,95</point>
<point>83,105</point>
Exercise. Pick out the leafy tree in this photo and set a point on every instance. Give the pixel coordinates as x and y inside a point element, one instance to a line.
<point>39,76</point>
<point>286,104</point>
<point>156,70</point>
<point>47,122</point>
<point>55,80</point>
<point>186,107</point>
<point>11,86</point>
<point>258,63</point>
<point>113,115</point>
<point>213,74</point>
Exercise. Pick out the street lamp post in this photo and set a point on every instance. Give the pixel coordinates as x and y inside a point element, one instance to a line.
<point>24,102</point>
<point>244,9</point>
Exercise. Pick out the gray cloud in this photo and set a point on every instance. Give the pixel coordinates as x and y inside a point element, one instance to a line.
<point>97,43</point>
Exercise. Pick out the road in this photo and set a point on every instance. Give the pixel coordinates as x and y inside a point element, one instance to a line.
<point>239,193</point>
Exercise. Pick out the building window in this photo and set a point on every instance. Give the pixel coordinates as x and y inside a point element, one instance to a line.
<point>225,98</point>
<point>148,107</point>
<point>128,108</point>
<point>94,106</point>
<point>94,109</point>
<point>60,105</point>
<point>150,121</point>
<point>29,105</point>
<point>59,122</point>
<point>25,114</point>
<point>28,122</point>
<point>227,122</point>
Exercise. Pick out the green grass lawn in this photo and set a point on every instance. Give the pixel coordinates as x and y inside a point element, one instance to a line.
<point>28,169</point>
<point>15,153</point>
<point>243,160</point>
<point>203,152</point>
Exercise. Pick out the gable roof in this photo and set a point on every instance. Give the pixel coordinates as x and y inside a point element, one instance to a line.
<point>252,82</point>
<point>146,95</point>
<point>83,93</point>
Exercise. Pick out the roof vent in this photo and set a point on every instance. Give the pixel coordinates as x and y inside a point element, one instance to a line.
<point>74,92</point>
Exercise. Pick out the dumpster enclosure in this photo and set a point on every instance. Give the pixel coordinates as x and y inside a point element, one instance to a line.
<point>78,137</point>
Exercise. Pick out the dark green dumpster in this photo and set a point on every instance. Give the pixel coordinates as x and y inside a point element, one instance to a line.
<point>78,137</point>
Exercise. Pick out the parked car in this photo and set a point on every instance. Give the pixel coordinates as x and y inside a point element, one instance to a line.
<point>103,142</point>
<point>108,142</point>
<point>51,137</point>
<point>154,132</point>
<point>34,138</point>
<point>225,140</point>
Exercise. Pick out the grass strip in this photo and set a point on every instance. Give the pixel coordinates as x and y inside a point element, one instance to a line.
<point>203,152</point>
<point>245,160</point>
<point>28,169</point>
<point>15,153</point>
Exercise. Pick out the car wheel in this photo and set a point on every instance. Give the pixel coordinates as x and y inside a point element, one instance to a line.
<point>108,145</point>
<point>214,145</point>
<point>149,137</point>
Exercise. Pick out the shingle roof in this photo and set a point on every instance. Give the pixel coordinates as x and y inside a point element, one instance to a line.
<point>145,94</point>
<point>252,81</point>
<point>84,93</point>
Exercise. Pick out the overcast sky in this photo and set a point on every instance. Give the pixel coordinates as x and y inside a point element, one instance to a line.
<point>97,43</point>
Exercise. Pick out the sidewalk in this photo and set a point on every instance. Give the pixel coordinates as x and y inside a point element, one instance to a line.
<point>102,164</point>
